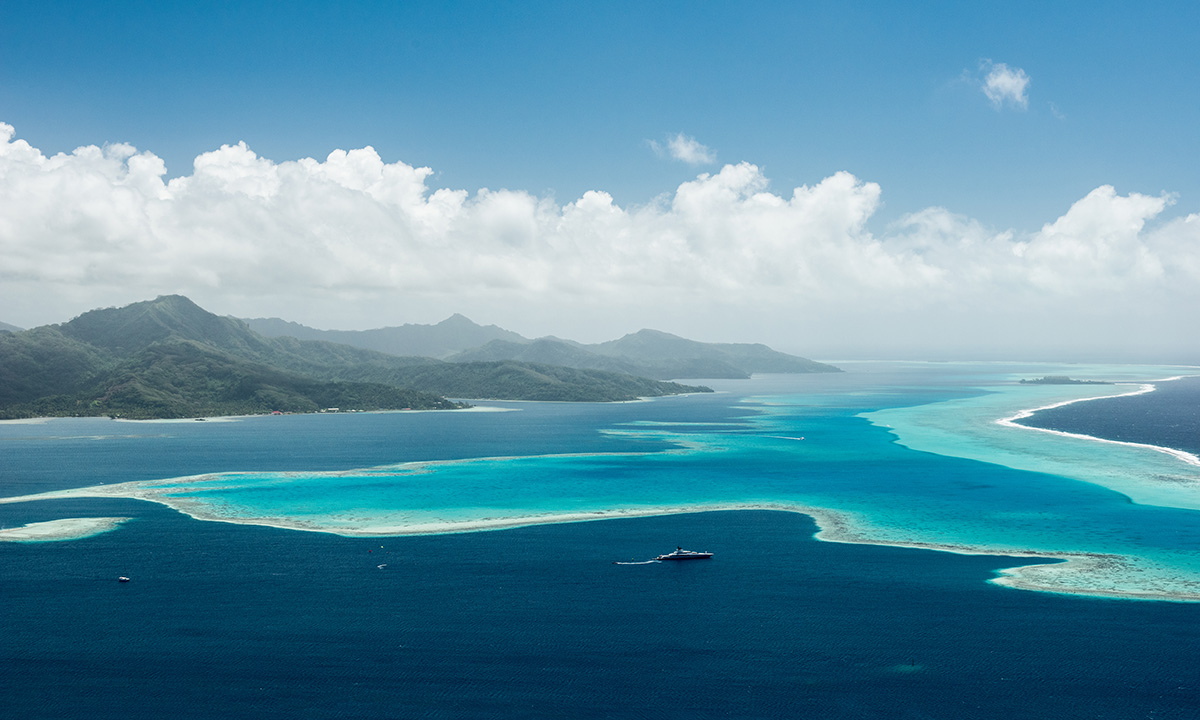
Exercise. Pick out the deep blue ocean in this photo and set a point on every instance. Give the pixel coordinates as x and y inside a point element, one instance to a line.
<point>240,620</point>
<point>1168,416</point>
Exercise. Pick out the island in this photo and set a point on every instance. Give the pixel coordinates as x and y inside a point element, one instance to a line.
<point>169,358</point>
<point>1062,380</point>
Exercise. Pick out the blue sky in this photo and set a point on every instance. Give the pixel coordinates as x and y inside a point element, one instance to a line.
<point>553,100</point>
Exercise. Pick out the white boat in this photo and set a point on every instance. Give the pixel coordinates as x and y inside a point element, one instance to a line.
<point>681,554</point>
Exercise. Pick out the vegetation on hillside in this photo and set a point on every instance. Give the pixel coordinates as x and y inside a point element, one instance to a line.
<point>181,378</point>
<point>646,353</point>
<point>169,358</point>
<point>650,353</point>
<point>529,381</point>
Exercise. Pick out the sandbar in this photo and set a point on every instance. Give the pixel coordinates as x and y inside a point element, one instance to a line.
<point>62,529</point>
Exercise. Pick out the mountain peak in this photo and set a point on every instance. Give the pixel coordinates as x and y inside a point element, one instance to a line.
<point>651,341</point>
<point>143,323</point>
<point>655,334</point>
<point>458,320</point>
<point>173,301</point>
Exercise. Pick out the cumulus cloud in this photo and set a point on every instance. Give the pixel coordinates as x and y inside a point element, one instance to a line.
<point>316,240</point>
<point>685,149</point>
<point>1005,86</point>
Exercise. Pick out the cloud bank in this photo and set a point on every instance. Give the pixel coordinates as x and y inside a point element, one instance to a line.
<point>352,241</point>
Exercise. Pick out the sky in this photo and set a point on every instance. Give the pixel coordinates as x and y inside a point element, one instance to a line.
<point>840,180</point>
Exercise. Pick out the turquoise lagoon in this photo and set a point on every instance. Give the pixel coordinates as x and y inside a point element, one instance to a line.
<point>908,454</point>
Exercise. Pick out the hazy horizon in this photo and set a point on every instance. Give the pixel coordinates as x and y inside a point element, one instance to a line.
<point>860,181</point>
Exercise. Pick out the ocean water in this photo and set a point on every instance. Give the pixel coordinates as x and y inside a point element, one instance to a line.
<point>1169,416</point>
<point>247,612</point>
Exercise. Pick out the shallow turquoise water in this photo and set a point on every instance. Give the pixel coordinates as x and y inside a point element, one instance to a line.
<point>905,454</point>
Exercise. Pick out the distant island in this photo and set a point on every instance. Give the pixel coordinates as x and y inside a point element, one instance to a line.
<point>1062,380</point>
<point>169,358</point>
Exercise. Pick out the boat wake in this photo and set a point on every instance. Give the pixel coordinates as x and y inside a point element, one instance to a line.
<point>632,562</point>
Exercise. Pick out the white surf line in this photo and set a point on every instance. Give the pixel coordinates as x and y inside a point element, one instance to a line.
<point>1011,421</point>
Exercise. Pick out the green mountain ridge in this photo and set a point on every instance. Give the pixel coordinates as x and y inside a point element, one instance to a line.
<point>537,381</point>
<point>454,334</point>
<point>654,346</point>
<point>646,353</point>
<point>170,358</point>
<point>546,351</point>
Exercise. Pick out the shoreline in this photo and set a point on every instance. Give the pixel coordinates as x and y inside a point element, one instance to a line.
<point>42,419</point>
<point>1045,573</point>
<point>1013,421</point>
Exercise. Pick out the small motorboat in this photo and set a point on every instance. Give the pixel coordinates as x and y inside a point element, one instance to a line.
<point>681,554</point>
<point>122,579</point>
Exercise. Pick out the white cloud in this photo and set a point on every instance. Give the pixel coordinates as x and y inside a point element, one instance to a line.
<point>353,241</point>
<point>685,149</point>
<point>1005,86</point>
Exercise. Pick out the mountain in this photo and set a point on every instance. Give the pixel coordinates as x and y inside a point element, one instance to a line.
<point>652,346</point>
<point>650,353</point>
<point>534,381</point>
<point>5,327</point>
<point>170,358</point>
<point>551,351</point>
<point>454,334</point>
<point>647,353</point>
